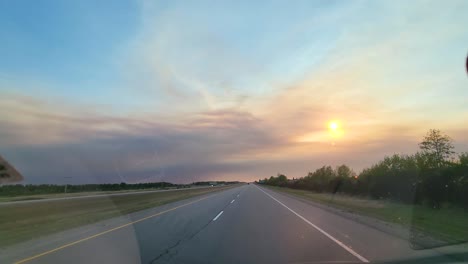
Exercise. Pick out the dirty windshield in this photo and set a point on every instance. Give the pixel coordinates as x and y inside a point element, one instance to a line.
<point>308,131</point>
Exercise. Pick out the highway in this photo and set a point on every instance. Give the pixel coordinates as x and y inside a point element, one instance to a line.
<point>245,224</point>
<point>77,196</point>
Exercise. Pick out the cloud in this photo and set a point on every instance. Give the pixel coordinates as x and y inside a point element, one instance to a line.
<point>235,99</point>
<point>59,142</point>
<point>48,143</point>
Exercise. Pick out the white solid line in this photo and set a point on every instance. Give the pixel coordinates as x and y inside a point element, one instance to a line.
<point>233,200</point>
<point>220,213</point>
<point>361,258</point>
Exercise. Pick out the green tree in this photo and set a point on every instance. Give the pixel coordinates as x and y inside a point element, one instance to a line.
<point>282,180</point>
<point>344,171</point>
<point>463,159</point>
<point>438,148</point>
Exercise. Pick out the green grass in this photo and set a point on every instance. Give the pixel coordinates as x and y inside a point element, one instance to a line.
<point>21,222</point>
<point>447,224</point>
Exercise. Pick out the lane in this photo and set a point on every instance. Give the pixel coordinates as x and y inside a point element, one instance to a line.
<point>374,244</point>
<point>341,244</point>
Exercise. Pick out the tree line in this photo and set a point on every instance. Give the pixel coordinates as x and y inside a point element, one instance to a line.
<point>435,176</point>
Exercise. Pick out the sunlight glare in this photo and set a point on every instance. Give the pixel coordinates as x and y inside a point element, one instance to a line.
<point>335,128</point>
<point>333,125</point>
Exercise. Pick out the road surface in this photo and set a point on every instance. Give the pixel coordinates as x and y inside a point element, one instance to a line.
<point>246,224</point>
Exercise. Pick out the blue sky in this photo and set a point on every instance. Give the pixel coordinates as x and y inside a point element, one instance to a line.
<point>77,49</point>
<point>68,46</point>
<point>225,89</point>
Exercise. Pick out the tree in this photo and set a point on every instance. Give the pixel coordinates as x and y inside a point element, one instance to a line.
<point>282,180</point>
<point>463,159</point>
<point>438,148</point>
<point>344,171</point>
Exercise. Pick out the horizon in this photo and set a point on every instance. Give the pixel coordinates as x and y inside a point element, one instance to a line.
<point>103,92</point>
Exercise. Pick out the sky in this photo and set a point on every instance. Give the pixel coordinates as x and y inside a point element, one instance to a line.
<point>183,91</point>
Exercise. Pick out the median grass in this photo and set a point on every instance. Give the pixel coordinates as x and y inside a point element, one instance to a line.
<point>449,224</point>
<point>15,198</point>
<point>21,222</point>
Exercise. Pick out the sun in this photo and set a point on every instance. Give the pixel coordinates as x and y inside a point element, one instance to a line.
<point>333,126</point>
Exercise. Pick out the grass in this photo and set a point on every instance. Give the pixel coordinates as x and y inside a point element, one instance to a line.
<point>449,224</point>
<point>21,222</point>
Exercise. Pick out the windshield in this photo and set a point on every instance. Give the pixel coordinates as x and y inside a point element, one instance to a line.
<point>233,131</point>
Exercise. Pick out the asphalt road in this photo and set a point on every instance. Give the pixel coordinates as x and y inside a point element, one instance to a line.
<point>246,224</point>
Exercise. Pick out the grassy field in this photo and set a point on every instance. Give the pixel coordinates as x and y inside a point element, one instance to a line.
<point>448,224</point>
<point>20,222</point>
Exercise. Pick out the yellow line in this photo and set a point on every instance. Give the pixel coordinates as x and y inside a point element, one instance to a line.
<point>105,232</point>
